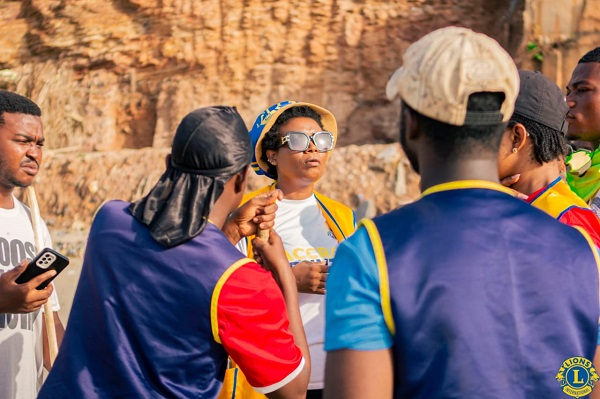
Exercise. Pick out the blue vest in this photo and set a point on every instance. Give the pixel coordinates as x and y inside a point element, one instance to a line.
<point>140,325</point>
<point>488,295</point>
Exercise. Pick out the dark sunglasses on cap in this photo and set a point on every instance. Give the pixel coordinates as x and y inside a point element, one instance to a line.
<point>300,141</point>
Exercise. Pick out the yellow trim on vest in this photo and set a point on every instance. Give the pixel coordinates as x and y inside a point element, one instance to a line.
<point>557,199</point>
<point>338,216</point>
<point>248,196</point>
<point>462,184</point>
<point>214,302</point>
<point>384,283</point>
<point>341,221</point>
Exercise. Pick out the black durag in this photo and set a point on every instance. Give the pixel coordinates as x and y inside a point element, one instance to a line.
<point>210,146</point>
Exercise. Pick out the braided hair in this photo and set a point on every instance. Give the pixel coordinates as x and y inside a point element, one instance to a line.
<point>548,144</point>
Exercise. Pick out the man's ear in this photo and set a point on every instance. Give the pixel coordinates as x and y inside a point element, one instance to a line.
<point>519,136</point>
<point>411,123</point>
<point>240,180</point>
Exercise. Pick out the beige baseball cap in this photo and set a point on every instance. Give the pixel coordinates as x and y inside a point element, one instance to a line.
<point>442,69</point>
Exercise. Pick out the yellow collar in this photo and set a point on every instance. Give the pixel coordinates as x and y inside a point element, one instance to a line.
<point>463,184</point>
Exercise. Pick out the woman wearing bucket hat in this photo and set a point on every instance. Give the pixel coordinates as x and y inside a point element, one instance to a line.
<point>292,142</point>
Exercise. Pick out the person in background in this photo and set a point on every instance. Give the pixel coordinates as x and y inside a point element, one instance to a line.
<point>580,145</point>
<point>583,98</point>
<point>164,296</point>
<point>292,142</point>
<point>533,149</point>
<point>23,340</point>
<point>532,155</point>
<point>467,290</point>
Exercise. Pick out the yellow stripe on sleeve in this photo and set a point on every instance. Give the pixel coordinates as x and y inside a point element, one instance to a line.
<point>384,285</point>
<point>217,291</point>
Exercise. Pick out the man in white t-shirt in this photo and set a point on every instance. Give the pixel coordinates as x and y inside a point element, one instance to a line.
<point>23,349</point>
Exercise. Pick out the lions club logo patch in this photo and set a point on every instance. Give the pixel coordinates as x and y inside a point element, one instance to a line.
<point>577,376</point>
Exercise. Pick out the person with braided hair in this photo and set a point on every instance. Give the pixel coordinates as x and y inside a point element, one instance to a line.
<point>532,156</point>
<point>532,153</point>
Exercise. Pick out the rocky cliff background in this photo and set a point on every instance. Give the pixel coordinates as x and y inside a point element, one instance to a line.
<point>115,77</point>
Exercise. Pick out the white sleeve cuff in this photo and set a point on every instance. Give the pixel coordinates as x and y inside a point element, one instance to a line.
<point>285,381</point>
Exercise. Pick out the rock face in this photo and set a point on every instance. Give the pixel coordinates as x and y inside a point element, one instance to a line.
<point>115,77</point>
<point>121,74</point>
<point>73,185</point>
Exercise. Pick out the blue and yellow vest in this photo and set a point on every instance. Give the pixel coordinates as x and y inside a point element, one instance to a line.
<point>143,322</point>
<point>485,296</point>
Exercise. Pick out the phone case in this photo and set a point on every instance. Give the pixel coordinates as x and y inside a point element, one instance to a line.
<point>47,259</point>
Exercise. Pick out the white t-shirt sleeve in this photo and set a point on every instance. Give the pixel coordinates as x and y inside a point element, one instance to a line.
<point>242,246</point>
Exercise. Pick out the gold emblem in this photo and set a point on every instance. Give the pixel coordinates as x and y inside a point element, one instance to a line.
<point>577,376</point>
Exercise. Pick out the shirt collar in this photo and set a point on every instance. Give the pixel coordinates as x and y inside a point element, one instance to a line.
<point>468,184</point>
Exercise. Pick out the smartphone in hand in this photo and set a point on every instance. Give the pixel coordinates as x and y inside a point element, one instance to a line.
<point>47,259</point>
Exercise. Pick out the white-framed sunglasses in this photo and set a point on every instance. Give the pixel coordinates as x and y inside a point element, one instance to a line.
<point>300,141</point>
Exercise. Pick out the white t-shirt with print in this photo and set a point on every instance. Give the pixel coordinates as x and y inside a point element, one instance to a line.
<point>306,237</point>
<point>21,347</point>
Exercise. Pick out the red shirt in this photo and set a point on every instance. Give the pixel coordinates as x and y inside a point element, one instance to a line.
<point>266,353</point>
